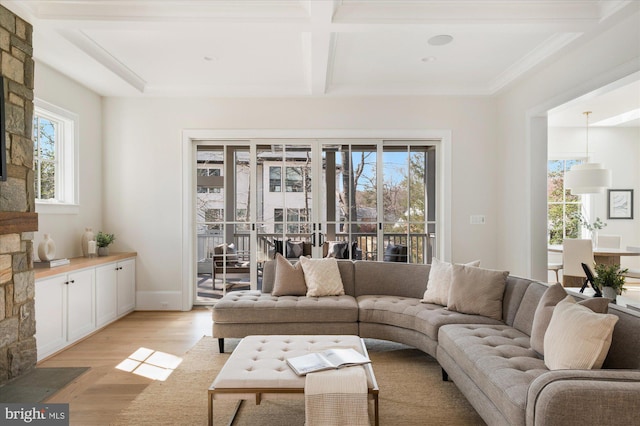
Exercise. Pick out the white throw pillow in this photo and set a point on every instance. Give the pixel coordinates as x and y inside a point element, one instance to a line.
<point>440,281</point>
<point>322,277</point>
<point>577,337</point>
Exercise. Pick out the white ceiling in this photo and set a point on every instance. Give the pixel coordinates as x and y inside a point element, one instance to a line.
<point>306,47</point>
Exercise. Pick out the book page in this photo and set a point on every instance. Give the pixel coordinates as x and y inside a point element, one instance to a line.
<point>341,357</point>
<point>307,363</point>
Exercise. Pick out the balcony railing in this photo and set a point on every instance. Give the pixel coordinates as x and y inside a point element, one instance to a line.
<point>420,246</point>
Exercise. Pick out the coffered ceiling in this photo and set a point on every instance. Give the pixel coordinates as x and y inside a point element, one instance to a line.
<point>307,47</point>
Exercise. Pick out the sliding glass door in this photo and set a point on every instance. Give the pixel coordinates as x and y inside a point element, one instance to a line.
<point>370,200</point>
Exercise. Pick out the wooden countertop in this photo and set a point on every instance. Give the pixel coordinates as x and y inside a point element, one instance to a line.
<point>81,263</point>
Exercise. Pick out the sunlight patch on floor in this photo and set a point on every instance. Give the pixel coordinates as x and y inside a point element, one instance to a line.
<point>154,365</point>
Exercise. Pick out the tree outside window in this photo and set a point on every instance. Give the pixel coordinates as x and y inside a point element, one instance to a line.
<point>563,208</point>
<point>45,135</point>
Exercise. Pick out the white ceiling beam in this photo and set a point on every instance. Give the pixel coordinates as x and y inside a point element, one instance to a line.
<point>99,54</point>
<point>317,46</point>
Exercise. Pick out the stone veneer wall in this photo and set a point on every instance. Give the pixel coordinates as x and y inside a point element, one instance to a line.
<point>17,316</point>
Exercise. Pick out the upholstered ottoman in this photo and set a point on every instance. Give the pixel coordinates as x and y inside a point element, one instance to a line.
<point>257,368</point>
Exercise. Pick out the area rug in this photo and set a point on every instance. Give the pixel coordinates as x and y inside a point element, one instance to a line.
<point>39,384</point>
<point>411,392</point>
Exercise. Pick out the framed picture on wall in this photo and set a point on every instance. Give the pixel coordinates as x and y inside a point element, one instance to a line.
<point>620,204</point>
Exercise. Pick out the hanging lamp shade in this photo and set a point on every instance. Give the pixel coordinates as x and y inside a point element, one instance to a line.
<point>587,178</point>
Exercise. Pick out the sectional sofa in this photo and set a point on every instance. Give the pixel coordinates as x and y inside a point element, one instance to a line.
<point>490,360</point>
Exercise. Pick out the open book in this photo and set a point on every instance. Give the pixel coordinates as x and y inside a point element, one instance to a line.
<point>326,360</point>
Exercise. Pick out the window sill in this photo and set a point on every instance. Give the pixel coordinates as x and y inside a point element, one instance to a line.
<point>56,208</point>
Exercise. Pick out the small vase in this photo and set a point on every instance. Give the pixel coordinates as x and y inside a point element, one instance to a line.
<point>609,293</point>
<point>86,237</point>
<point>47,249</point>
<point>103,251</point>
<point>594,238</point>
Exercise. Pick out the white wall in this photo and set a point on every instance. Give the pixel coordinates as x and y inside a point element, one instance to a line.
<point>617,149</point>
<point>523,151</point>
<point>143,173</point>
<point>67,229</point>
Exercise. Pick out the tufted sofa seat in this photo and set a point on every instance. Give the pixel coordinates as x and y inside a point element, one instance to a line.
<point>490,361</point>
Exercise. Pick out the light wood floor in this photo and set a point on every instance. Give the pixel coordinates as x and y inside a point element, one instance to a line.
<point>97,396</point>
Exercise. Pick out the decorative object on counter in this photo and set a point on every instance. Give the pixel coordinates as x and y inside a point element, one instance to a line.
<point>610,280</point>
<point>92,248</point>
<point>86,237</point>
<point>103,240</point>
<point>51,263</point>
<point>47,248</point>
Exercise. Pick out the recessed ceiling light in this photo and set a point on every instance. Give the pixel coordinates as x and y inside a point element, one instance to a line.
<point>440,40</point>
<point>210,58</point>
<point>428,59</point>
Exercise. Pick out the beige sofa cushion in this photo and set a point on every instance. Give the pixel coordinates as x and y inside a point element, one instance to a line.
<point>477,291</point>
<point>322,277</point>
<point>254,307</point>
<point>551,297</point>
<point>289,279</point>
<point>440,282</point>
<point>577,337</point>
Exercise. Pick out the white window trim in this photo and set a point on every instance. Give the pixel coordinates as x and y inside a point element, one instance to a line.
<point>67,193</point>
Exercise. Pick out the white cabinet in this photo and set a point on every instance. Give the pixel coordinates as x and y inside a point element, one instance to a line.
<point>116,290</point>
<point>106,294</point>
<point>65,310</point>
<point>51,333</point>
<point>75,300</point>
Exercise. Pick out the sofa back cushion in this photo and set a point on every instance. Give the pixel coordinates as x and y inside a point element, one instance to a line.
<point>390,278</point>
<point>345,267</point>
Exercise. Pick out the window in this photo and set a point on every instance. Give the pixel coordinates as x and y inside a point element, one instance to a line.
<point>275,179</point>
<point>563,208</point>
<point>296,178</point>
<point>209,171</point>
<point>54,155</point>
<point>297,220</point>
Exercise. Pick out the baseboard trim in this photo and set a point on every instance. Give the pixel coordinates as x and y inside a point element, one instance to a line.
<point>158,301</point>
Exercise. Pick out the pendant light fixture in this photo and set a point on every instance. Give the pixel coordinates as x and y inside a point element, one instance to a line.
<point>587,178</point>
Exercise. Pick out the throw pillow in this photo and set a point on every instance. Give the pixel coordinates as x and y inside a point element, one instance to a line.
<point>440,281</point>
<point>295,249</point>
<point>551,297</point>
<point>577,337</point>
<point>322,277</point>
<point>289,279</point>
<point>337,249</point>
<point>395,253</point>
<point>477,291</point>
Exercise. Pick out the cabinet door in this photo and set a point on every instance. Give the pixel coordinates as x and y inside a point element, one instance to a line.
<point>81,318</point>
<point>50,315</point>
<point>126,286</point>
<point>106,294</point>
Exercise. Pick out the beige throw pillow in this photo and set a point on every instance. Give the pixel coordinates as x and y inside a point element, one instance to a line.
<point>551,297</point>
<point>577,337</point>
<point>322,277</point>
<point>440,281</point>
<point>289,279</point>
<point>477,291</point>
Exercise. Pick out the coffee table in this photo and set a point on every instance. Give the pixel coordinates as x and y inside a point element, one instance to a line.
<point>257,369</point>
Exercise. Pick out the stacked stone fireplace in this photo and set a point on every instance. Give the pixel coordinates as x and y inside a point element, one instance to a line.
<point>18,219</point>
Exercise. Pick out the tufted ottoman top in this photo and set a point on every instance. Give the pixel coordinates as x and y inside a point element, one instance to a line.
<point>260,361</point>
